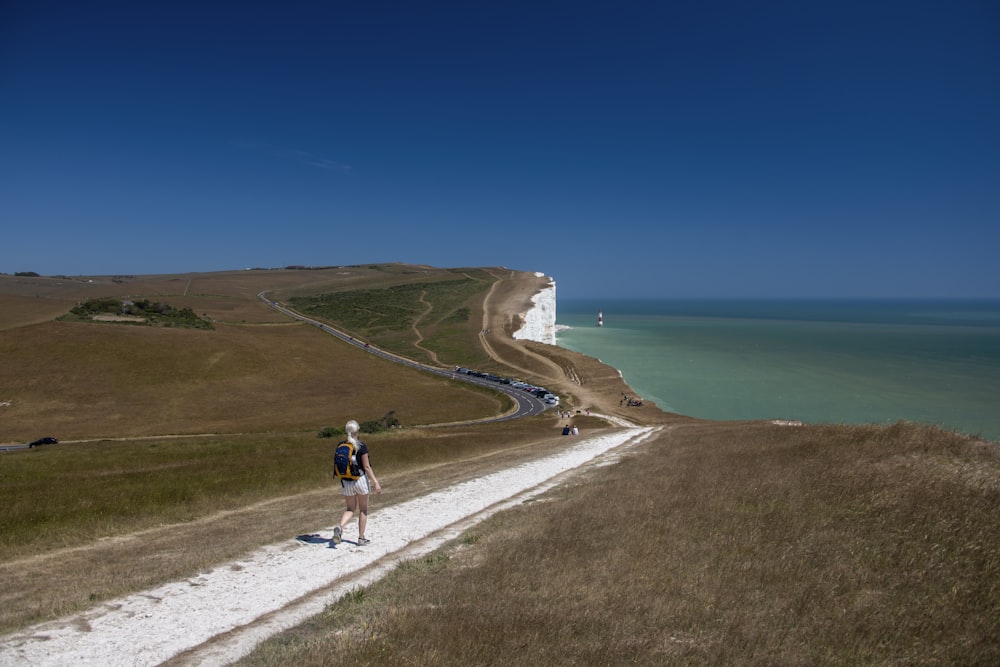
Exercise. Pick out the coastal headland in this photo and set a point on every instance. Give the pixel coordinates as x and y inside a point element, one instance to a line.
<point>723,543</point>
<point>117,379</point>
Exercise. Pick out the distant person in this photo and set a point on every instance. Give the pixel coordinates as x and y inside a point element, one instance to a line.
<point>355,491</point>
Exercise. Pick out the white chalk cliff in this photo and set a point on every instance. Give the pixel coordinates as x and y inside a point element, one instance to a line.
<point>540,321</point>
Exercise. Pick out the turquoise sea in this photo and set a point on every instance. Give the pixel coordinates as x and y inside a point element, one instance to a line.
<point>836,361</point>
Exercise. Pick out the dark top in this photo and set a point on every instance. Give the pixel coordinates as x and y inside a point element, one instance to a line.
<point>360,450</point>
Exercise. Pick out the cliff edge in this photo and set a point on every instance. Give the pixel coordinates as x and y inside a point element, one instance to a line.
<point>540,320</point>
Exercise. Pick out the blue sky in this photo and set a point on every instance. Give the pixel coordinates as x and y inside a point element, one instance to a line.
<point>681,149</point>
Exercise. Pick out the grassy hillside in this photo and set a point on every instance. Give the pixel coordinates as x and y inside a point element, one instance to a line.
<point>714,543</point>
<point>734,544</point>
<point>257,371</point>
<point>436,322</point>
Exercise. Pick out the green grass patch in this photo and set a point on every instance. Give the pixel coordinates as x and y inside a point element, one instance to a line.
<point>78,493</point>
<point>142,312</point>
<point>64,495</point>
<point>412,319</point>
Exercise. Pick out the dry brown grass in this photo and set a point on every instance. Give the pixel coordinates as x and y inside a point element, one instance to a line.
<point>80,380</point>
<point>720,544</point>
<point>77,381</point>
<point>89,522</point>
<point>261,386</point>
<point>749,544</point>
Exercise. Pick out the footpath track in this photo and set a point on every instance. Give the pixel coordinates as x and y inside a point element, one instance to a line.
<point>217,616</point>
<point>220,615</point>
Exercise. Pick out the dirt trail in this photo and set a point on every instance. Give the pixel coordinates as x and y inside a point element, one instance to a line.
<point>416,330</point>
<point>515,298</point>
<point>222,613</point>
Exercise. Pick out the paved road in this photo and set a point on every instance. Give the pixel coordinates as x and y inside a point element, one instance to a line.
<point>527,404</point>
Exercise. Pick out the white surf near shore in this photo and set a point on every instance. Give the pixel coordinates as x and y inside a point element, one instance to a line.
<point>217,616</point>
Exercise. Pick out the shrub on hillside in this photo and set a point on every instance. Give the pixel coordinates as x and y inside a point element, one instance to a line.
<point>151,312</point>
<point>387,422</point>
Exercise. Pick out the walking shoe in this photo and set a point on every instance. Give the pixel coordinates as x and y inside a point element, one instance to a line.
<point>362,541</point>
<point>336,535</point>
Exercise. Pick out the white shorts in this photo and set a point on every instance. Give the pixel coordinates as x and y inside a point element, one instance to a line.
<point>355,487</point>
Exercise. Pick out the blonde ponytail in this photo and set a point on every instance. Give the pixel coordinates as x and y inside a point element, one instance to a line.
<point>351,428</point>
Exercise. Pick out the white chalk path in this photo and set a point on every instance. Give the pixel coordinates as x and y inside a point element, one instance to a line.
<point>220,615</point>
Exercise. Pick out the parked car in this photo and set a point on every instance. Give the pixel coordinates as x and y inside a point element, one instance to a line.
<point>43,441</point>
<point>551,399</point>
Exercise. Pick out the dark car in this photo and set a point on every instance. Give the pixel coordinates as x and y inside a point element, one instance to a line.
<point>43,441</point>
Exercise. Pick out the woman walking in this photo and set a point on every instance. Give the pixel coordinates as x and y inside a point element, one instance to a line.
<point>355,485</point>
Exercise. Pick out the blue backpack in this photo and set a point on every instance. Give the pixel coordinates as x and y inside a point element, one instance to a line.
<point>345,462</point>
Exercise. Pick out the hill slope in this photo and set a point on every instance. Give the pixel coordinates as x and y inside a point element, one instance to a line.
<point>712,543</point>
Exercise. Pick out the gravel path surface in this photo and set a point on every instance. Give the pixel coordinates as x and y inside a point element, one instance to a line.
<point>220,615</point>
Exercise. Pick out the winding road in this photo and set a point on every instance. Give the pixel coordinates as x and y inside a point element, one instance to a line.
<point>527,404</point>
